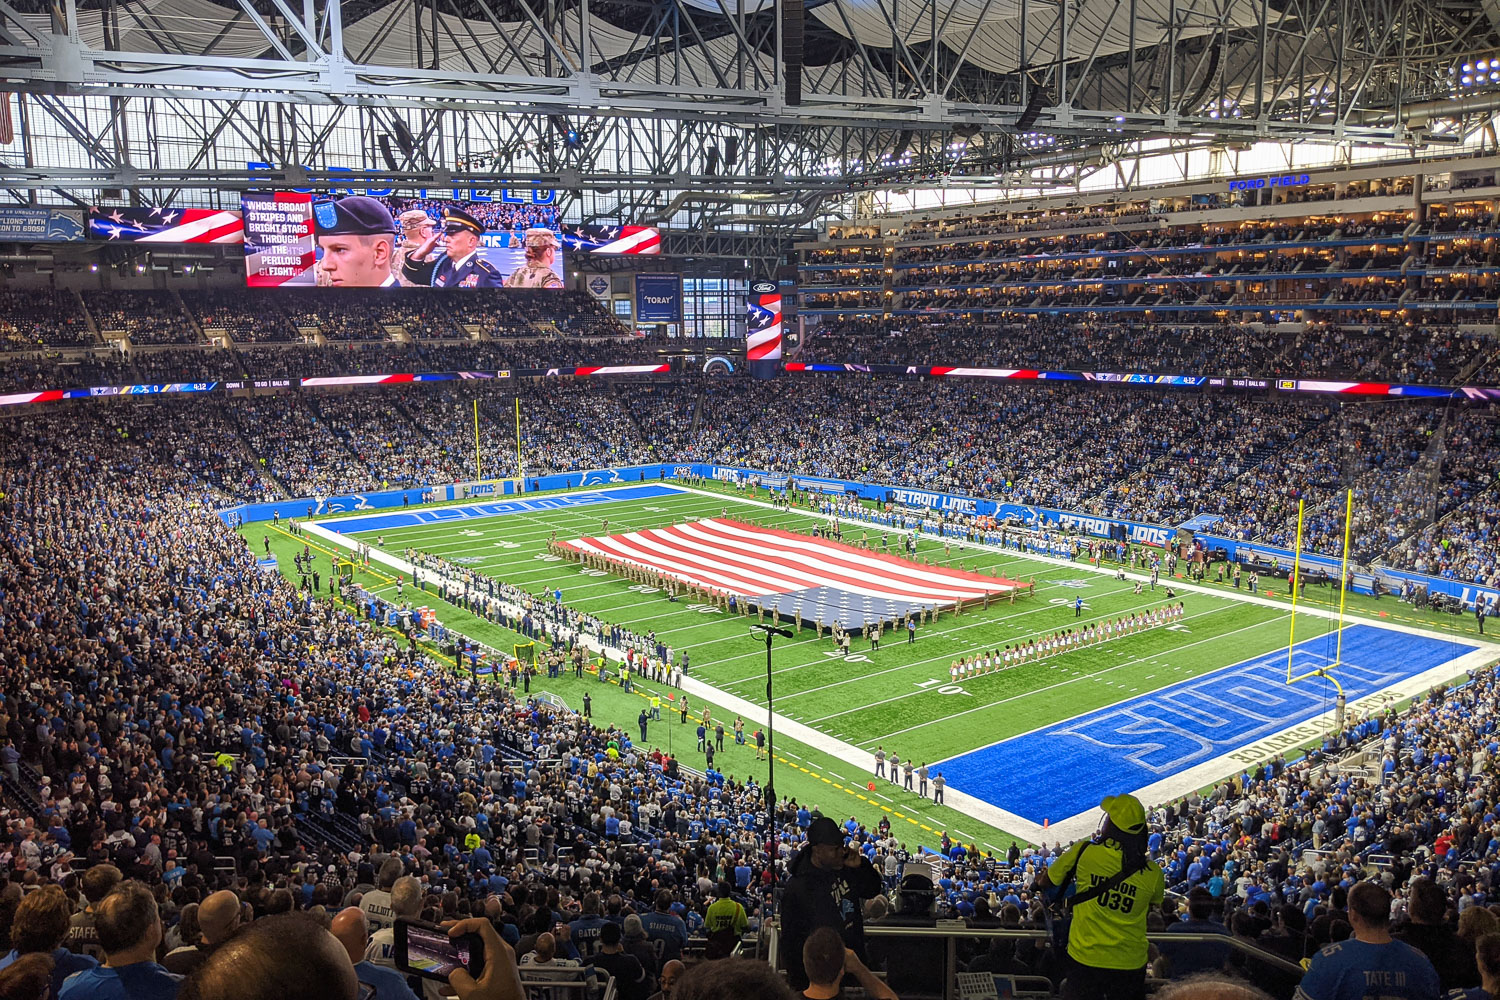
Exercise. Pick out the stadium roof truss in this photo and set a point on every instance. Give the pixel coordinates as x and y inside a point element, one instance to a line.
<point>678,109</point>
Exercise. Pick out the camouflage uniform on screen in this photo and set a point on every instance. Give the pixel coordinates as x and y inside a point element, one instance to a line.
<point>416,228</point>
<point>541,246</point>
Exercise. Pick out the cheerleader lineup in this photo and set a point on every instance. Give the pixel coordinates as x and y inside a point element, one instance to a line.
<point>1064,641</point>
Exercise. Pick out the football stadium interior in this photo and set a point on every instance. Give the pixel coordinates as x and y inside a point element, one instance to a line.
<point>696,500</point>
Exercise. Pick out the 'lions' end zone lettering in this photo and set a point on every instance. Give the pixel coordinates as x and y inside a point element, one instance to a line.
<point>1232,711</point>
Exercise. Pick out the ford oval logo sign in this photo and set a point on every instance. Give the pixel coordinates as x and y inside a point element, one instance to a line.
<point>763,287</point>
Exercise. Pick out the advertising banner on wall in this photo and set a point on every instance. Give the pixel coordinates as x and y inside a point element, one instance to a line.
<point>658,298</point>
<point>25,224</point>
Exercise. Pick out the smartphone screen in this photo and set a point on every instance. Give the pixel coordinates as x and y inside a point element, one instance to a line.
<point>429,951</point>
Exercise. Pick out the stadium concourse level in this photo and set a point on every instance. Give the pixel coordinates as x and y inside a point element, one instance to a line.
<point>172,715</point>
<point>1356,269</point>
<point>42,319</point>
<point>1423,354</point>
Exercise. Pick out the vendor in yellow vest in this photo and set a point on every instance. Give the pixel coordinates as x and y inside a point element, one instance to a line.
<point>1114,884</point>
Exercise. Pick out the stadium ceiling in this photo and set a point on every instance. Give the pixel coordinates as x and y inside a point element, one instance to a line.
<point>688,108</point>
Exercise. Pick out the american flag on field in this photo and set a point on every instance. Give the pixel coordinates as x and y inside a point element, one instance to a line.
<point>811,578</point>
<point>612,239</point>
<point>167,225</point>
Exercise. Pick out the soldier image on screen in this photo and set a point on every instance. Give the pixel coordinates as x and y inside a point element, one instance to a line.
<point>355,237</point>
<point>541,250</point>
<point>417,227</point>
<point>461,265</point>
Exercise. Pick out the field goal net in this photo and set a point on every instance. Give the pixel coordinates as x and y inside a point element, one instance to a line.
<point>526,652</point>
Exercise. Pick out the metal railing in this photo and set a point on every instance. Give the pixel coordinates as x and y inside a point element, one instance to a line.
<point>949,933</point>
<point>568,984</point>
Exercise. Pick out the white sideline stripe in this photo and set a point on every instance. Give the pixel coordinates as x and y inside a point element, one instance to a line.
<point>1068,828</point>
<point>837,749</point>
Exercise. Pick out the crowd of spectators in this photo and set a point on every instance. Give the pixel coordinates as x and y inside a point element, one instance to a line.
<point>1427,354</point>
<point>663,414</point>
<point>344,314</point>
<point>1275,265</point>
<point>295,448</point>
<point>172,733</point>
<point>198,761</point>
<point>389,447</point>
<point>1156,457</point>
<point>1048,343</point>
<point>248,316</point>
<point>145,317</point>
<point>46,370</point>
<point>184,364</point>
<point>31,320</point>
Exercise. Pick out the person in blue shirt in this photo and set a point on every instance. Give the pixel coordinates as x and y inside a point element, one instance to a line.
<point>353,932</point>
<point>1186,959</point>
<point>129,929</point>
<point>663,925</point>
<point>1487,952</point>
<point>584,931</point>
<point>40,925</point>
<point>1371,965</point>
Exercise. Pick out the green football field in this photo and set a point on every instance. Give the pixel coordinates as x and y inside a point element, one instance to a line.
<point>898,697</point>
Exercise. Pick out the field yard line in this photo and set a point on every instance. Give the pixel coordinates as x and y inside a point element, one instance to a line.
<point>1180,585</point>
<point>921,661</point>
<point>921,634</point>
<point>1072,680</point>
<point>839,750</point>
<point>709,620</point>
<point>496,521</point>
<point>1181,783</point>
<point>939,659</point>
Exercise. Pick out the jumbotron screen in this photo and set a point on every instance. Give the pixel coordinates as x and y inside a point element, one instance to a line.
<point>297,240</point>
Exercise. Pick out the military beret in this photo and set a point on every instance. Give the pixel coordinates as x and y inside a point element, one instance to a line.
<point>356,215</point>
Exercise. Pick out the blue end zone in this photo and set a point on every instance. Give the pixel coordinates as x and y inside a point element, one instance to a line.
<point>1139,742</point>
<point>497,508</point>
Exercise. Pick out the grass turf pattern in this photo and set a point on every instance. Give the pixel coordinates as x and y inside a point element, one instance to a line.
<point>899,697</point>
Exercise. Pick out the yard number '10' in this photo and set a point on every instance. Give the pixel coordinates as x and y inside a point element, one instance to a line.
<point>945,689</point>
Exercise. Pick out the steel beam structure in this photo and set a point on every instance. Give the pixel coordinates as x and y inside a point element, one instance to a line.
<point>172,100</point>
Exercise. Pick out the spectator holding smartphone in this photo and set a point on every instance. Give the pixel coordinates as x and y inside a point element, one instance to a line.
<point>827,888</point>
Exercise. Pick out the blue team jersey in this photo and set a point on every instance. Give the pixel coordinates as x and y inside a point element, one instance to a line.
<point>1354,970</point>
<point>389,984</point>
<point>140,981</point>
